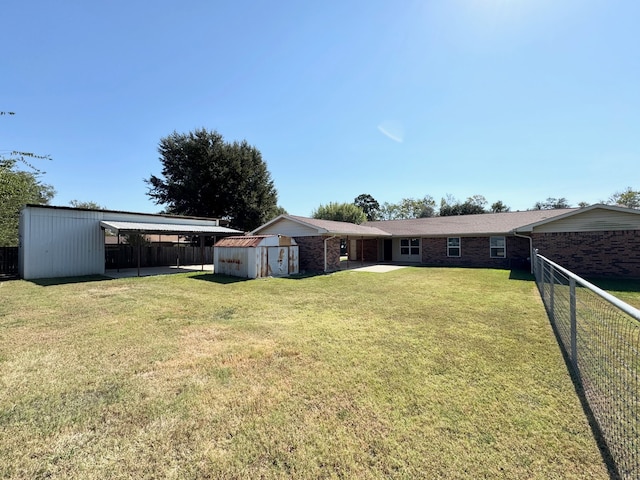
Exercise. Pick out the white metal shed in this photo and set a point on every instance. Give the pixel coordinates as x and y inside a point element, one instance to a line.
<point>256,256</point>
<point>67,242</point>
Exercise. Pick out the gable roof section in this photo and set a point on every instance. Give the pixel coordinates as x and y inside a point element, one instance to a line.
<point>462,225</point>
<point>596,217</point>
<point>316,227</point>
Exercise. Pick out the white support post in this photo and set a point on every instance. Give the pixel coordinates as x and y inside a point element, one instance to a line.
<point>574,324</point>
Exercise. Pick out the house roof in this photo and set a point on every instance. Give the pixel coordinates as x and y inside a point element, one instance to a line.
<point>327,227</point>
<point>458,225</point>
<point>481,224</point>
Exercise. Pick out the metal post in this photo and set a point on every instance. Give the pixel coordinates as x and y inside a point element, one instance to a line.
<point>202,252</point>
<point>574,325</point>
<point>551,293</point>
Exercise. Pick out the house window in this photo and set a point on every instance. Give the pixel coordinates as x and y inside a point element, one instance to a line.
<point>498,247</point>
<point>409,246</point>
<point>453,247</point>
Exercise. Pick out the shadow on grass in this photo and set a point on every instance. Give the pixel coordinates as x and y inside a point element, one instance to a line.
<point>616,285</point>
<point>523,275</point>
<point>48,282</point>
<point>227,279</point>
<point>219,278</point>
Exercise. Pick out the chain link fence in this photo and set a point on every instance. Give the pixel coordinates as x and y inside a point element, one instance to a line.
<point>600,335</point>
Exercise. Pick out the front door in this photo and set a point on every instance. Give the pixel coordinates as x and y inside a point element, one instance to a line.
<point>388,250</point>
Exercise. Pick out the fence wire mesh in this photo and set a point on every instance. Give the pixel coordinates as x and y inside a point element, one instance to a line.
<point>601,337</point>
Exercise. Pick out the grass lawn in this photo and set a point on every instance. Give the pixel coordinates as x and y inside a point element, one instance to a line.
<point>416,373</point>
<point>626,290</point>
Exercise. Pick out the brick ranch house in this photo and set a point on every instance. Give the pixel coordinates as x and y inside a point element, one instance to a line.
<point>594,241</point>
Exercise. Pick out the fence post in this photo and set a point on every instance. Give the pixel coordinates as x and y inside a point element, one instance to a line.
<point>552,283</point>
<point>574,326</point>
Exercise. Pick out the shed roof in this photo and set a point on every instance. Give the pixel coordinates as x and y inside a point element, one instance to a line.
<point>167,228</point>
<point>108,211</point>
<point>242,241</point>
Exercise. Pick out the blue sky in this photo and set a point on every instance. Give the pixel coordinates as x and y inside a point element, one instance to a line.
<point>516,100</point>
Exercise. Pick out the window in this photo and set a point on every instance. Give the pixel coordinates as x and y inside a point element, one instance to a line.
<point>498,247</point>
<point>453,247</point>
<point>409,246</point>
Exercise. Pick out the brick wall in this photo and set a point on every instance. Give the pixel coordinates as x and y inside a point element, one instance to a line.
<point>311,254</point>
<point>474,252</point>
<point>593,254</point>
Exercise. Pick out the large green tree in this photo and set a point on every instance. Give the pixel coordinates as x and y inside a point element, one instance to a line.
<point>368,204</point>
<point>203,175</point>
<point>408,208</point>
<point>471,206</point>
<point>19,184</point>
<point>17,188</point>
<point>340,212</point>
<point>552,203</point>
<point>90,205</point>
<point>628,198</point>
<point>499,207</point>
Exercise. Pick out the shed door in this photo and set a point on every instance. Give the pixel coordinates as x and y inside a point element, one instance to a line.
<point>278,261</point>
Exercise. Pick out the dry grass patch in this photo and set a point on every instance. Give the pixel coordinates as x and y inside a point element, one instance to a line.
<point>438,373</point>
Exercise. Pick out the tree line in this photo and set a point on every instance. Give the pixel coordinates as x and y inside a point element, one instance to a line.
<point>366,208</point>
<point>204,175</point>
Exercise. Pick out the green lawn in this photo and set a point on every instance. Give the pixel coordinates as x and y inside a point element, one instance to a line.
<point>626,290</point>
<point>416,373</point>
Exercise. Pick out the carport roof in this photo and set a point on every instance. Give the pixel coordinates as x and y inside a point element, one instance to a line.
<point>167,228</point>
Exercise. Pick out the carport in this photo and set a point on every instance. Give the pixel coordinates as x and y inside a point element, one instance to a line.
<point>148,228</point>
<point>59,242</point>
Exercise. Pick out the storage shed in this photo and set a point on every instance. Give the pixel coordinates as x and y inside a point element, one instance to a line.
<point>256,256</point>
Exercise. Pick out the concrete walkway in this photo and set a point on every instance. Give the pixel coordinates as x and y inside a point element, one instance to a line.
<point>150,271</point>
<point>378,268</point>
<point>358,266</point>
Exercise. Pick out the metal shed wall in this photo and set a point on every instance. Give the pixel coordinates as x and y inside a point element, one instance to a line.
<point>253,257</point>
<point>67,242</point>
<point>60,243</point>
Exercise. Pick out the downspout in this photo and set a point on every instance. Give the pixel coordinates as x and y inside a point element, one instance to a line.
<point>325,251</point>
<point>530,248</point>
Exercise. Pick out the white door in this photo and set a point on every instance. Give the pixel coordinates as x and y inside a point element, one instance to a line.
<point>278,260</point>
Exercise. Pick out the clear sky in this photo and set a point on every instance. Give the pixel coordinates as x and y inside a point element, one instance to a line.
<point>516,100</point>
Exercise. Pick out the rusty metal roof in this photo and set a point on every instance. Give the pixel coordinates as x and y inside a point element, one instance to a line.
<point>246,241</point>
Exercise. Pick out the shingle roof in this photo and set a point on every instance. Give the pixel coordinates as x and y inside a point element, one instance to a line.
<point>340,228</point>
<point>482,224</point>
